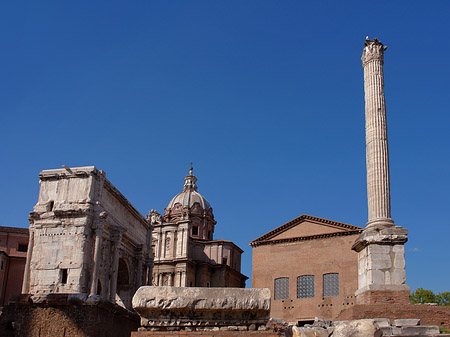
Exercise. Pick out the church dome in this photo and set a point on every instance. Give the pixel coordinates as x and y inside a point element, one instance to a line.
<point>188,199</point>
<point>189,203</point>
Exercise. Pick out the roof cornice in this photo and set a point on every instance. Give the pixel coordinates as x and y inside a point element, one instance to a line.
<point>350,229</point>
<point>304,238</point>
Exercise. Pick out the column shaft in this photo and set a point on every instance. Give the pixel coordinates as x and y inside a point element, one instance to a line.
<point>113,285</point>
<point>97,252</point>
<point>377,154</point>
<point>26,276</point>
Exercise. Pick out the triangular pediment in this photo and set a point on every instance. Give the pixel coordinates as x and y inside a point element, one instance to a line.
<point>306,227</point>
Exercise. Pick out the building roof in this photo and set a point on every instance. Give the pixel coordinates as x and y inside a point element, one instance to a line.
<point>340,229</point>
<point>189,196</point>
<point>14,230</point>
<point>218,241</point>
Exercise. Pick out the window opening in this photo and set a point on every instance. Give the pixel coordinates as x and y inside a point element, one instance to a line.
<point>305,286</point>
<point>50,205</point>
<point>281,288</point>
<point>194,230</point>
<point>22,247</point>
<point>63,276</point>
<point>331,284</point>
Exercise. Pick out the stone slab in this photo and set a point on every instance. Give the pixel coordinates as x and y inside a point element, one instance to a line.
<point>195,308</point>
<point>406,322</point>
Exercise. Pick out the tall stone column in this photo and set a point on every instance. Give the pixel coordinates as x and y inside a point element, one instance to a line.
<point>97,256</point>
<point>26,275</point>
<point>115,270</point>
<point>377,154</point>
<point>380,247</point>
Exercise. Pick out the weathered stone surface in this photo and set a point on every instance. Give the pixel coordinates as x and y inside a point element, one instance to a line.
<point>86,238</point>
<point>357,328</point>
<point>202,307</point>
<point>381,322</point>
<point>406,322</point>
<point>296,331</point>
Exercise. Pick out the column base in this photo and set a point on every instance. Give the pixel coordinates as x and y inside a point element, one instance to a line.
<point>383,294</point>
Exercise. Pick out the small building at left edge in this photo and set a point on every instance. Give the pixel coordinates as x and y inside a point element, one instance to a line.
<point>13,254</point>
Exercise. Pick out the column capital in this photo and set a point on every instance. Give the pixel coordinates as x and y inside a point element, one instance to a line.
<point>373,50</point>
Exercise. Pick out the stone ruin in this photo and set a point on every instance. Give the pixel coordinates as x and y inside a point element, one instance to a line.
<point>378,327</point>
<point>177,311</point>
<point>202,309</point>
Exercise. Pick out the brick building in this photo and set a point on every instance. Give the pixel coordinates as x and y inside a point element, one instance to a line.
<point>13,254</point>
<point>309,266</point>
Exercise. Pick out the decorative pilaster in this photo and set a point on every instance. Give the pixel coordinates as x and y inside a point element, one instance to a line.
<point>149,271</point>
<point>380,247</point>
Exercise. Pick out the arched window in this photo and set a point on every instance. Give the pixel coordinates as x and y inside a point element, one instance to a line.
<point>123,277</point>
<point>331,284</point>
<point>305,286</point>
<point>281,288</point>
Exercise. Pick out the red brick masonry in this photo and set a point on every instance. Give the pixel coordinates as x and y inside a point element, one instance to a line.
<point>205,333</point>
<point>59,315</point>
<point>384,297</point>
<point>428,314</point>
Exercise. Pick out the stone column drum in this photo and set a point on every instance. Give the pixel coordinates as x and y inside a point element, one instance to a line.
<point>381,255</point>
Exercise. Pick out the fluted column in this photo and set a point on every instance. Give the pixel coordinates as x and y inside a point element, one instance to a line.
<point>377,154</point>
<point>380,247</point>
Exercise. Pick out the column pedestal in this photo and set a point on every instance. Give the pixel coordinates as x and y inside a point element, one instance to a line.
<point>381,266</point>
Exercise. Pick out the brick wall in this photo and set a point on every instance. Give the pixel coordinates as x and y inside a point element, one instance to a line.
<point>205,333</point>
<point>60,315</point>
<point>428,314</point>
<point>384,297</point>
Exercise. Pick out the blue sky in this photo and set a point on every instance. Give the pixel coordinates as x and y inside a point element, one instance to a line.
<point>264,97</point>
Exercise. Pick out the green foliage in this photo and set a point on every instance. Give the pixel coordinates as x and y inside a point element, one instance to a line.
<point>423,296</point>
<point>443,298</point>
<point>443,330</point>
<point>427,296</point>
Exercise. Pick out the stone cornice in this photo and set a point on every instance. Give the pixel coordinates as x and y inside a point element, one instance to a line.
<point>304,238</point>
<point>391,235</point>
<point>217,242</point>
<point>124,201</point>
<point>73,172</point>
<point>15,230</point>
<point>290,224</point>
